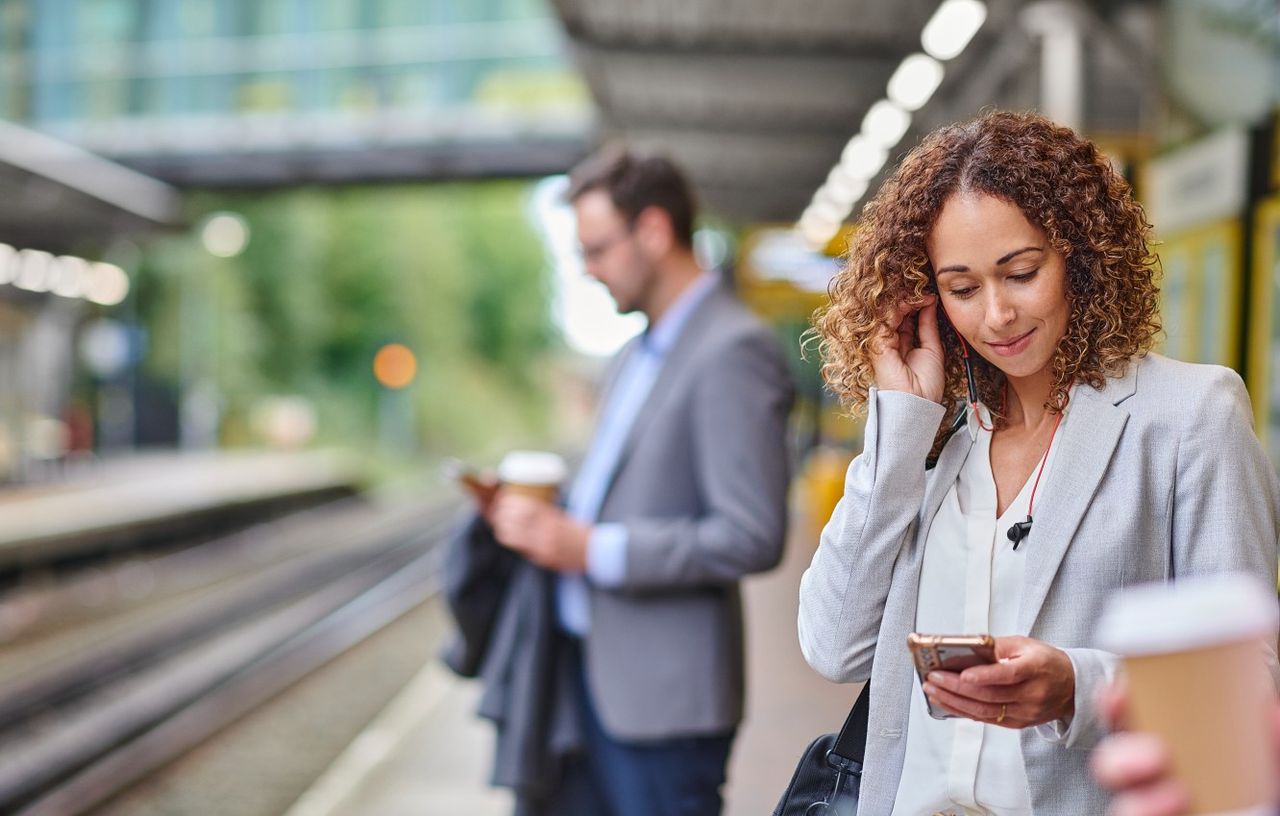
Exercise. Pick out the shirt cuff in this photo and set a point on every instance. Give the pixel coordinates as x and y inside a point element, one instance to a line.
<point>607,555</point>
<point>1059,731</point>
<point>1094,669</point>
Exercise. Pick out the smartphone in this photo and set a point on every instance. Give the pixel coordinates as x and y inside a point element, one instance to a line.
<point>481,487</point>
<point>953,653</point>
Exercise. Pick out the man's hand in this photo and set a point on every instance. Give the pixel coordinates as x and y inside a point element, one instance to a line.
<point>1033,683</point>
<point>541,532</point>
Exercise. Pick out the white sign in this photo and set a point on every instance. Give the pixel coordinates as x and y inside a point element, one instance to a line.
<point>781,254</point>
<point>1199,184</point>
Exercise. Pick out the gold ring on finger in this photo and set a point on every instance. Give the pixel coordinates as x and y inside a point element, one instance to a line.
<point>1004,709</point>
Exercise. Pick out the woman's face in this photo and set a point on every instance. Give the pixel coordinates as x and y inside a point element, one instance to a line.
<point>1001,284</point>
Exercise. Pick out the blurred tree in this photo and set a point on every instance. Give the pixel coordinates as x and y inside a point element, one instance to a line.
<point>454,271</point>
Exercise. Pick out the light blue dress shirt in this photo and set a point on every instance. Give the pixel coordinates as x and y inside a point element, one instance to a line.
<point>607,546</point>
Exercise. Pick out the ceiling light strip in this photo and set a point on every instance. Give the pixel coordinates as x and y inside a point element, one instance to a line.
<point>950,29</point>
<point>37,271</point>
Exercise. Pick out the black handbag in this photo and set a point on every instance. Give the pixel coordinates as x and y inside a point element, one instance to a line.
<point>826,780</point>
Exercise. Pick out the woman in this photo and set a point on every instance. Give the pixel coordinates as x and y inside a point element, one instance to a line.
<point>1071,463</point>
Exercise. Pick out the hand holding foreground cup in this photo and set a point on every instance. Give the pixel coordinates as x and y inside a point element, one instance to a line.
<point>1134,765</point>
<point>1195,665</point>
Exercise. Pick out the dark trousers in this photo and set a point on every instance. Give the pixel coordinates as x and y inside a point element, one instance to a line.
<point>675,777</point>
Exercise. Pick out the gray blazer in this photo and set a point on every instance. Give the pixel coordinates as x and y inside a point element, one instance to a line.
<point>1159,475</point>
<point>701,488</point>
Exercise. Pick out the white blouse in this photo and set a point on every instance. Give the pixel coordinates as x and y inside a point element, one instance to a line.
<point>970,583</point>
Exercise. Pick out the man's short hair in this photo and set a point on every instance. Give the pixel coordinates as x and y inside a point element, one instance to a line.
<point>635,183</point>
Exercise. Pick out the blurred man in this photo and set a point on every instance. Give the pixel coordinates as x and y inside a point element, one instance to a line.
<point>682,492</point>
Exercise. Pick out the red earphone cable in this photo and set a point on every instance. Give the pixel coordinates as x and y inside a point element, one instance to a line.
<point>1004,400</point>
<point>973,403</point>
<point>1031,503</point>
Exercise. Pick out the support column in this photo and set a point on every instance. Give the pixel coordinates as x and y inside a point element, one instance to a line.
<point>1059,25</point>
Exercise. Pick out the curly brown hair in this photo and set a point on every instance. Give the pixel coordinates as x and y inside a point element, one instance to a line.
<point>1061,183</point>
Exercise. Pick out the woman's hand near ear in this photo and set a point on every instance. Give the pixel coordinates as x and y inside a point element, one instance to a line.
<point>907,353</point>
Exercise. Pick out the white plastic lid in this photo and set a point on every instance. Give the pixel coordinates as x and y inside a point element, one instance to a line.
<point>1191,613</point>
<point>532,468</point>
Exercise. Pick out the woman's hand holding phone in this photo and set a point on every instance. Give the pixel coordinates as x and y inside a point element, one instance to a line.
<point>1031,684</point>
<point>907,354</point>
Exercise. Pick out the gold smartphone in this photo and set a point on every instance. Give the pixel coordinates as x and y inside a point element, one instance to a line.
<point>953,653</point>
<point>481,486</point>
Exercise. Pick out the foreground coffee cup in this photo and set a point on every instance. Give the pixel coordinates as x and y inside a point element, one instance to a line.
<point>533,473</point>
<point>1195,660</point>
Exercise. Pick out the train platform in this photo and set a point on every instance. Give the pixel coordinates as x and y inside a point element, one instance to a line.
<point>158,494</point>
<point>428,755</point>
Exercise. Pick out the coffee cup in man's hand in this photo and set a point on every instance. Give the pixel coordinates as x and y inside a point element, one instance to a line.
<point>538,474</point>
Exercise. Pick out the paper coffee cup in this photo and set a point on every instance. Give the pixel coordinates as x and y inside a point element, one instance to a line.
<point>533,473</point>
<point>1196,668</point>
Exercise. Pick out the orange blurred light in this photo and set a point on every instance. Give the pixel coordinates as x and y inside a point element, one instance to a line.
<point>394,365</point>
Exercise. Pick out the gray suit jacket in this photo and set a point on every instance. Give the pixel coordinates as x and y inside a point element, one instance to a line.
<point>1159,475</point>
<point>701,489</point>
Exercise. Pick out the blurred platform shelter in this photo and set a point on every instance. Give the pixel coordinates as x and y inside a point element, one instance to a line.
<point>120,105</point>
<point>66,218</point>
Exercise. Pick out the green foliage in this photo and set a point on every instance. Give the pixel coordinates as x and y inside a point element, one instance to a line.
<point>454,271</point>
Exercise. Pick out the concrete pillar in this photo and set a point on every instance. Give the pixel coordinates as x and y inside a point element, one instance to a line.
<point>1060,27</point>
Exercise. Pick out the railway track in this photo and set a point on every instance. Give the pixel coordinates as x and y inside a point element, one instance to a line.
<point>97,697</point>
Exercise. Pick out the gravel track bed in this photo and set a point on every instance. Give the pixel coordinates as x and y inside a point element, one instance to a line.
<point>260,765</point>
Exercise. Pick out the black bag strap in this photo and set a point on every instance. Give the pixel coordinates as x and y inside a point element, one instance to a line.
<point>931,460</point>
<point>851,743</point>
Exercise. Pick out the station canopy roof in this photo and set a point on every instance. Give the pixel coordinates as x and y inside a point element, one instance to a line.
<point>757,98</point>
<point>59,198</point>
